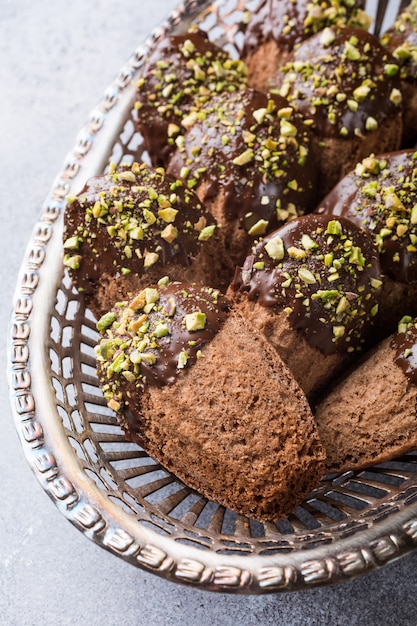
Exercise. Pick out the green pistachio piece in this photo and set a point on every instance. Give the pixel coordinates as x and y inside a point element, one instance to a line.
<point>306,276</point>
<point>106,320</point>
<point>182,359</point>
<point>275,248</point>
<point>244,158</point>
<point>195,321</point>
<point>207,232</point>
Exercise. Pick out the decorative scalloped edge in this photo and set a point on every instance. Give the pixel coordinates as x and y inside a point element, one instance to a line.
<point>391,538</point>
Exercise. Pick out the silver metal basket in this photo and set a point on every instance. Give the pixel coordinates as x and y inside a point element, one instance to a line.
<point>111,490</point>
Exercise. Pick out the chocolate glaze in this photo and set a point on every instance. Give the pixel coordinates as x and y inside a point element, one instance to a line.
<point>324,75</point>
<point>281,171</point>
<point>288,23</point>
<point>301,284</point>
<point>383,188</point>
<point>401,41</point>
<point>129,231</point>
<point>123,339</point>
<point>183,72</point>
<point>405,345</point>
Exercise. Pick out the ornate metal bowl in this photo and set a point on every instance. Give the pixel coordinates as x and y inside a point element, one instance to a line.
<point>110,489</point>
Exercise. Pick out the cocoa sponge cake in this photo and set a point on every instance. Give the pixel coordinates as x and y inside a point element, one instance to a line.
<point>129,226</point>
<point>276,26</point>
<point>182,73</point>
<point>312,288</point>
<point>248,157</point>
<point>209,399</point>
<point>381,196</point>
<point>370,417</point>
<point>348,86</point>
<point>401,41</point>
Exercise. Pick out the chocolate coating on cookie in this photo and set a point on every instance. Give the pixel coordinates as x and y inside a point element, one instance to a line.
<point>324,273</point>
<point>381,196</point>
<point>183,72</point>
<point>401,41</point>
<point>404,342</point>
<point>256,151</point>
<point>344,81</point>
<point>289,23</point>
<point>130,220</point>
<point>150,339</point>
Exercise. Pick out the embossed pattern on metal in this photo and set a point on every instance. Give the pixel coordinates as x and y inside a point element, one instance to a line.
<point>110,489</point>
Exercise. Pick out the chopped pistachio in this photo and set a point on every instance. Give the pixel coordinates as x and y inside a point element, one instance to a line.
<point>259,228</point>
<point>127,175</point>
<point>195,321</point>
<point>371,123</point>
<point>307,242</point>
<point>244,158</point>
<point>72,243</point>
<point>182,359</point>
<point>170,233</point>
<point>403,323</point>
<point>207,232</point>
<point>168,214</point>
<point>114,405</point>
<point>361,92</point>
<point>149,217</point>
<point>287,129</point>
<point>296,253</point>
<point>352,53</point>
<point>150,259</point>
<point>260,115</point>
<point>306,276</point>
<point>375,283</point>
<point>327,295</point>
<point>106,320</point>
<point>73,262</point>
<point>327,37</point>
<point>334,227</point>
<point>161,330</point>
<point>275,248</point>
<point>396,96</point>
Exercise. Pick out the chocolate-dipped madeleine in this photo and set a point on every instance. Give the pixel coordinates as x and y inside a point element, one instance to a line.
<point>347,85</point>
<point>401,41</point>
<point>130,227</point>
<point>370,416</point>
<point>182,73</point>
<point>248,157</point>
<point>277,26</point>
<point>312,288</point>
<point>209,399</point>
<point>380,195</point>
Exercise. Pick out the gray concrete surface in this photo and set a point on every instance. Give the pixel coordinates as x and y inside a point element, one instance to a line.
<point>56,59</point>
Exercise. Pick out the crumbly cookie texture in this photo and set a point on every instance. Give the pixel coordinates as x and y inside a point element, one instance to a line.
<point>209,399</point>
<point>370,416</point>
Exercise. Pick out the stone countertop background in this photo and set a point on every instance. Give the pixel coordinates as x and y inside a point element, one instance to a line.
<point>56,59</point>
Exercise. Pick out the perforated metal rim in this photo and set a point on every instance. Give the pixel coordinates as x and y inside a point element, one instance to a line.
<point>111,490</point>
